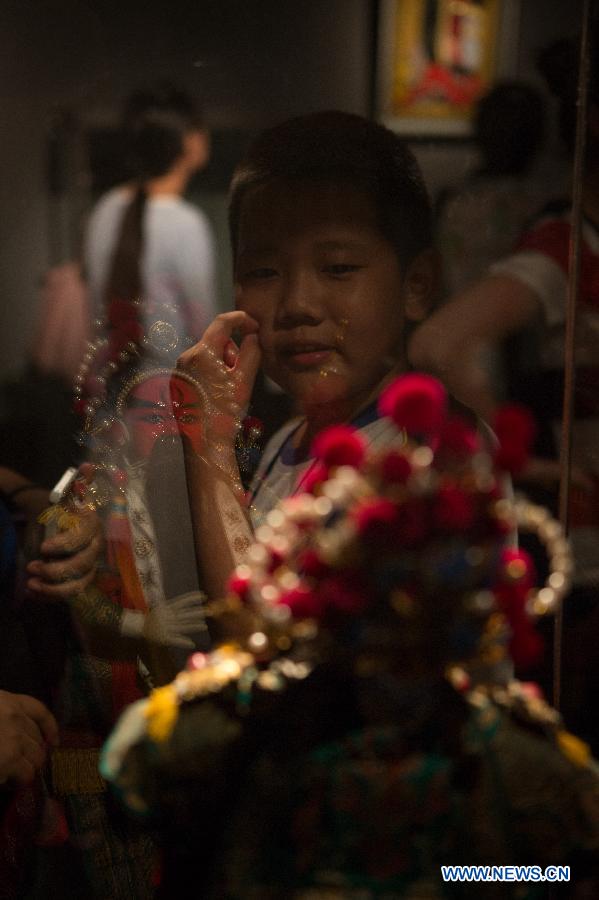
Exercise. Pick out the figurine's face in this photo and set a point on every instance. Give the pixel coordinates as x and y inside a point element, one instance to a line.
<point>163,406</point>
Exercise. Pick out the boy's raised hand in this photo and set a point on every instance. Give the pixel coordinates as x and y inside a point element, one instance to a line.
<point>226,371</point>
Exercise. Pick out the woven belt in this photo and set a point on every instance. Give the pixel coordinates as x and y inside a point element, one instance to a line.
<point>76,772</point>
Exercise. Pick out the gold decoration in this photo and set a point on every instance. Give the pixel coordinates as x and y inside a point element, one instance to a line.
<point>162,336</point>
<point>573,748</point>
<point>538,520</point>
<point>145,374</point>
<point>143,547</point>
<point>64,520</point>
<point>162,712</point>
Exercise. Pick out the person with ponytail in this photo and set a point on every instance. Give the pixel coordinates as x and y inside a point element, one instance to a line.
<point>144,242</point>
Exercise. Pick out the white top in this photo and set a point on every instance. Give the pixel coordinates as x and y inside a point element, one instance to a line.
<point>277,478</point>
<point>178,258</point>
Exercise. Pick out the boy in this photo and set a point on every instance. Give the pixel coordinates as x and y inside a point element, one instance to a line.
<point>331,232</point>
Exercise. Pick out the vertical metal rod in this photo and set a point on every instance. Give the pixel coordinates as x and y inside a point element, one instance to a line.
<point>570,335</point>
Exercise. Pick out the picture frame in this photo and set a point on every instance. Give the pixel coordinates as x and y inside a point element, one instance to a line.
<point>436,58</point>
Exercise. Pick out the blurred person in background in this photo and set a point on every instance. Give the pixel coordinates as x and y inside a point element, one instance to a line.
<point>143,240</point>
<point>480,220</point>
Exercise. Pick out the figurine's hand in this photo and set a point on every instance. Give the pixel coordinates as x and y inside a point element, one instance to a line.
<point>26,727</point>
<point>174,622</point>
<point>69,559</point>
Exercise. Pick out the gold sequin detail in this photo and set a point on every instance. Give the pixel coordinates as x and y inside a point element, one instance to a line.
<point>143,547</point>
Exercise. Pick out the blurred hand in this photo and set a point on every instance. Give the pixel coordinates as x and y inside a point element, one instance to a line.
<point>174,622</point>
<point>69,559</point>
<point>26,727</point>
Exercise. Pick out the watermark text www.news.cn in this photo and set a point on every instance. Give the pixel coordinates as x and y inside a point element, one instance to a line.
<point>505,873</point>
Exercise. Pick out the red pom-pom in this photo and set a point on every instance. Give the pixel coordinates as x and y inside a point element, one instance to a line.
<point>316,475</point>
<point>196,662</point>
<point>377,521</point>
<point>239,586</point>
<point>515,430</point>
<point>454,509</point>
<point>310,563</point>
<point>515,419</point>
<point>517,567</point>
<point>383,524</point>
<point>275,561</point>
<point>303,603</point>
<point>457,437</point>
<point>517,576</point>
<point>415,402</point>
<point>395,467</point>
<point>340,445</point>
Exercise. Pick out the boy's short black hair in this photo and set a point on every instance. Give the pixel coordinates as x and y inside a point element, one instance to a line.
<point>339,146</point>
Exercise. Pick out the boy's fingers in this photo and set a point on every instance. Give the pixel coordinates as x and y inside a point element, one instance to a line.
<point>249,358</point>
<point>230,354</point>
<point>218,334</point>
<point>227,323</point>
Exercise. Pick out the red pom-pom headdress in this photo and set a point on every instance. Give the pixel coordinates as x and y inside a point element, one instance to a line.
<point>423,521</point>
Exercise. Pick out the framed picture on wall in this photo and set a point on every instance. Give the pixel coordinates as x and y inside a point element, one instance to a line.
<point>437,57</point>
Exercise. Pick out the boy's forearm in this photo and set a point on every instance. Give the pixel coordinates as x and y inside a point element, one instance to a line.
<point>221,525</point>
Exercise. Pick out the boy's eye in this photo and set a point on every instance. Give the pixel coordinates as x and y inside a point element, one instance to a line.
<point>261,272</point>
<point>153,418</point>
<point>340,269</point>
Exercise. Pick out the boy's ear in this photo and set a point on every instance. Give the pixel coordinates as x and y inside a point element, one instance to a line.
<point>421,285</point>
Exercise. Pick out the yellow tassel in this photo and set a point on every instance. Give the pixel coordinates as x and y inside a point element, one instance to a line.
<point>573,748</point>
<point>162,712</point>
<point>64,519</point>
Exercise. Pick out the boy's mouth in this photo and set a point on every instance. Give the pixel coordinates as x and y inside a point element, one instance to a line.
<point>305,355</point>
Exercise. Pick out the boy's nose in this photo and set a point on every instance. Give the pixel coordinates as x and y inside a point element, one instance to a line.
<point>300,300</point>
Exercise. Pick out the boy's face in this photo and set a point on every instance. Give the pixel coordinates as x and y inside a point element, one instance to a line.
<point>325,287</point>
